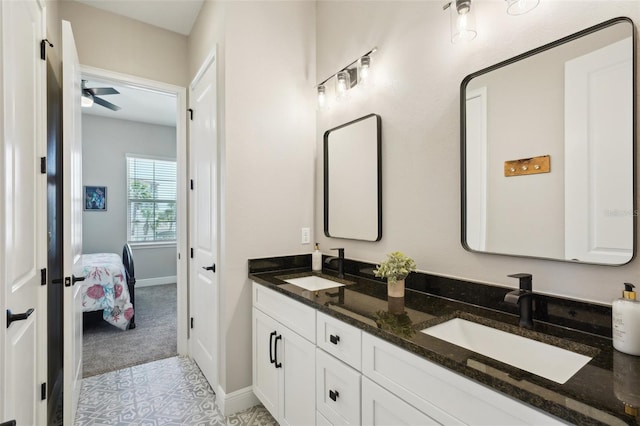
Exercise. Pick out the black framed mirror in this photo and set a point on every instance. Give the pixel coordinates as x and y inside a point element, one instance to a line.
<point>353,180</point>
<point>547,150</point>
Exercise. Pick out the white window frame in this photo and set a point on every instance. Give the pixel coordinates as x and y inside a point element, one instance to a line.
<point>154,243</point>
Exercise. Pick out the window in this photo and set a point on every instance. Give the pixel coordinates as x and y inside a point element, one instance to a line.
<point>151,200</point>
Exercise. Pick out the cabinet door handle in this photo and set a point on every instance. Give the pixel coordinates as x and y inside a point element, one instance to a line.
<point>275,349</point>
<point>333,395</point>
<point>271,358</point>
<point>334,339</point>
<point>75,279</point>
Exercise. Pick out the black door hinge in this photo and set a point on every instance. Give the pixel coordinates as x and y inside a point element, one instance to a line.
<point>43,391</point>
<point>190,114</point>
<point>191,322</point>
<point>43,48</point>
<point>191,253</point>
<point>43,276</point>
<point>191,184</point>
<point>43,165</point>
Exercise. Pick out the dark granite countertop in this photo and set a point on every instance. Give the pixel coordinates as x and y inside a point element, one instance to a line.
<point>596,394</point>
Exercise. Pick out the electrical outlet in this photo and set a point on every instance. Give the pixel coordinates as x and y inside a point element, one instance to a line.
<point>306,236</point>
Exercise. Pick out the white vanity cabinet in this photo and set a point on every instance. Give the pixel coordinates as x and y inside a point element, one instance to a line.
<point>446,397</point>
<point>284,362</point>
<point>311,368</point>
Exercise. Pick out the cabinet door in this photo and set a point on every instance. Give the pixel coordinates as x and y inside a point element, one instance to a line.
<point>297,374</point>
<point>265,374</point>
<point>382,408</point>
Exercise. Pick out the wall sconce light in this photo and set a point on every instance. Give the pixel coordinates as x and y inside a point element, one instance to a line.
<point>357,72</point>
<point>463,23</point>
<point>322,97</point>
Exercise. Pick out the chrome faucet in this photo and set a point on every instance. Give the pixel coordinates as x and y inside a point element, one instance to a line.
<point>523,297</point>
<point>340,260</point>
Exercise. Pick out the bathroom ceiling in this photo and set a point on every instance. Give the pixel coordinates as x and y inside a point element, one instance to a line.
<point>174,15</point>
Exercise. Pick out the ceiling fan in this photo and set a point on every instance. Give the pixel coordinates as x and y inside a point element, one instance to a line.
<point>90,96</point>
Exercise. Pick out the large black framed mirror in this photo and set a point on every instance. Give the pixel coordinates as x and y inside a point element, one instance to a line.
<point>547,150</point>
<point>353,180</point>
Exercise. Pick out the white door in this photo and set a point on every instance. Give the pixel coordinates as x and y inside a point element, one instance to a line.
<point>22,209</point>
<point>203,277</point>
<point>599,145</point>
<point>72,216</point>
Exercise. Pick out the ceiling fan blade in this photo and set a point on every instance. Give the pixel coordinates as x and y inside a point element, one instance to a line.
<point>99,91</point>
<point>106,104</point>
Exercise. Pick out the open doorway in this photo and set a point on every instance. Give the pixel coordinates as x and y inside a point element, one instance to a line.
<point>133,176</point>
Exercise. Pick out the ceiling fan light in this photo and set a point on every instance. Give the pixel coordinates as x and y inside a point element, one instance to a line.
<point>86,100</point>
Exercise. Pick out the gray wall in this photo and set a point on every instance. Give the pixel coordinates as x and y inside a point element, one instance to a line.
<point>266,101</point>
<point>418,74</point>
<point>105,143</point>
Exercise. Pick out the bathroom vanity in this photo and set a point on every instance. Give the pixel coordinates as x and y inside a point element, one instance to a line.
<point>336,356</point>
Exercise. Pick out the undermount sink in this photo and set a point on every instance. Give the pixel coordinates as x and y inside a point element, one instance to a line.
<point>313,283</point>
<point>542,359</point>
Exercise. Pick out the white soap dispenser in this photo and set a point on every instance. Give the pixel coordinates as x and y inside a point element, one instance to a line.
<point>626,322</point>
<point>316,259</point>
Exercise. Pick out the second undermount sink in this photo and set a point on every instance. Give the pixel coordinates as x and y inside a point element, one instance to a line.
<point>313,283</point>
<point>542,359</point>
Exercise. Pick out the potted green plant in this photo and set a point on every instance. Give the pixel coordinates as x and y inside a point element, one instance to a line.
<point>395,269</point>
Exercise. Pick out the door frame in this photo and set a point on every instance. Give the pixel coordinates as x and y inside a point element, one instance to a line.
<point>182,201</point>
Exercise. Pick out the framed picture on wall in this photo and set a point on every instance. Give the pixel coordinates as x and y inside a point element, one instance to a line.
<point>95,198</point>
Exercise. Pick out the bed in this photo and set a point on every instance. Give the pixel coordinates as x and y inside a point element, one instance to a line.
<point>109,286</point>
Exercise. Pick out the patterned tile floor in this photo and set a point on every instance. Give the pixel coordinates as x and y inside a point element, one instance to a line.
<point>169,392</point>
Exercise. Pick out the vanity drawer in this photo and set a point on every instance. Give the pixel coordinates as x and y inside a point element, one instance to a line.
<point>443,395</point>
<point>289,312</point>
<point>337,390</point>
<point>340,340</point>
<point>382,408</point>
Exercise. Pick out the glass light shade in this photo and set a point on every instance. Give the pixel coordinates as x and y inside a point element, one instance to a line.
<point>342,84</point>
<point>365,68</point>
<point>322,100</point>
<point>463,22</point>
<point>520,7</point>
<point>86,101</point>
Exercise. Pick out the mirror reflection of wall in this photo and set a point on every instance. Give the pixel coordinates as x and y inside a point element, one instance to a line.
<point>352,180</point>
<point>572,101</point>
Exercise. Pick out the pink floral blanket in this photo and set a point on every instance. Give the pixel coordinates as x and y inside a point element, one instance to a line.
<point>105,287</point>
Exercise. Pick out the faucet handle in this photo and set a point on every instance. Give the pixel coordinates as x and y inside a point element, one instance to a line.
<point>525,280</point>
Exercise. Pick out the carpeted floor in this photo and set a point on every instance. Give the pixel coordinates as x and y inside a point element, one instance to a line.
<point>107,348</point>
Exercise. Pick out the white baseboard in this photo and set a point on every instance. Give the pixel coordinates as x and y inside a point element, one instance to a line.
<point>148,282</point>
<point>236,401</point>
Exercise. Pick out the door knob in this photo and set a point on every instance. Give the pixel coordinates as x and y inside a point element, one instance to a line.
<point>17,317</point>
<point>75,279</point>
<point>211,268</point>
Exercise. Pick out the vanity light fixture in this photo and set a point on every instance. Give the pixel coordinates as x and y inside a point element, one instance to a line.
<point>322,98</point>
<point>463,23</point>
<point>520,7</point>
<point>348,77</point>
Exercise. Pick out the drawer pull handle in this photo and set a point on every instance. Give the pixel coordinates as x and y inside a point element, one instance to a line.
<point>271,358</point>
<point>334,339</point>
<point>275,349</point>
<point>333,395</point>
